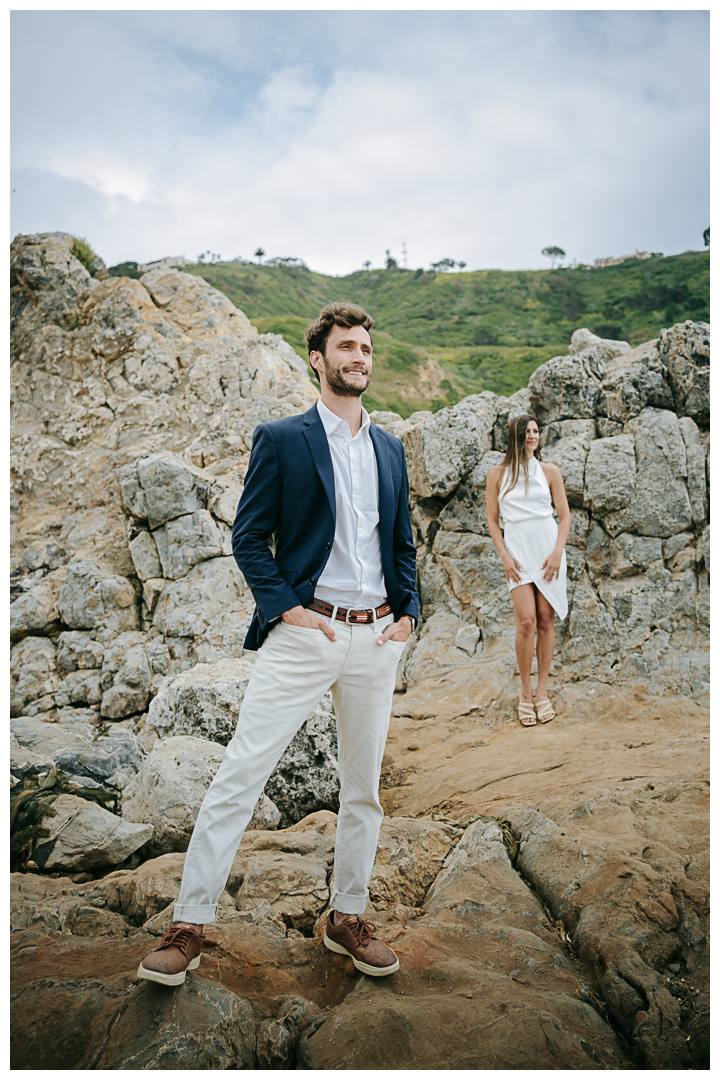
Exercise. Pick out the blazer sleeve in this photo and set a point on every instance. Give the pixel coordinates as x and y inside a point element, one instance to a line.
<point>404,554</point>
<point>256,520</point>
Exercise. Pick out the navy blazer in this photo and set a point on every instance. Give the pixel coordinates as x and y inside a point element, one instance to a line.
<point>290,494</point>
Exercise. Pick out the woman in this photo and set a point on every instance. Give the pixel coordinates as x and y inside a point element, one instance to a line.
<point>523,491</point>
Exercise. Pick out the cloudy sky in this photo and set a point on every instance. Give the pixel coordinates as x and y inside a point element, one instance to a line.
<point>333,136</point>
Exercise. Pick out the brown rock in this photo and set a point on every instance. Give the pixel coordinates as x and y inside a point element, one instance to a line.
<point>92,1013</point>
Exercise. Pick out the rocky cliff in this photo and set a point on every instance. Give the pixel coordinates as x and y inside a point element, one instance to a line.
<point>629,430</point>
<point>134,404</point>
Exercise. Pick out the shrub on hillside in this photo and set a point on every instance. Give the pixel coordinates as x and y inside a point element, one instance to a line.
<point>84,253</point>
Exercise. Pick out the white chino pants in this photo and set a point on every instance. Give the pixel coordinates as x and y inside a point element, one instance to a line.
<point>295,667</point>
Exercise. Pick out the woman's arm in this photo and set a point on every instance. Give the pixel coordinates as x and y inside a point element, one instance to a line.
<point>511,566</point>
<point>551,566</point>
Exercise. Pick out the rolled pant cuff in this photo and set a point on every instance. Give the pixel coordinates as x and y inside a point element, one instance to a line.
<point>349,904</point>
<point>195,913</point>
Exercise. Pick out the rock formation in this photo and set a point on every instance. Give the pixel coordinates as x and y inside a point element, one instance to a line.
<point>134,404</point>
<point>628,429</point>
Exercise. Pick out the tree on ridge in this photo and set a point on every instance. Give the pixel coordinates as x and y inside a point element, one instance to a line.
<point>554,254</point>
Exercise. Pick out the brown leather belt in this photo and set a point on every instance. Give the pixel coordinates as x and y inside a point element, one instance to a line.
<point>346,615</point>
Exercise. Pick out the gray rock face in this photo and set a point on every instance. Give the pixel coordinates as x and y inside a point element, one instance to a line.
<point>570,455</point>
<point>610,474</point>
<point>443,450</point>
<point>695,459</point>
<point>133,666</point>
<point>110,759</point>
<point>306,778</point>
<point>77,650</point>
<point>162,486</point>
<point>90,599</point>
<point>660,505</point>
<point>185,541</point>
<point>631,382</point>
<point>79,688</point>
<point>566,387</point>
<point>34,676</point>
<point>685,351</point>
<point>205,702</point>
<point>145,556</point>
<point>207,593</point>
<point>170,787</point>
<point>37,610</point>
<point>83,836</point>
<point>223,502</point>
<point>585,339</point>
<point>636,478</point>
<point>133,416</point>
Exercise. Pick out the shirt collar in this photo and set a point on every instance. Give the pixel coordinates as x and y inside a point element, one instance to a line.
<point>331,422</point>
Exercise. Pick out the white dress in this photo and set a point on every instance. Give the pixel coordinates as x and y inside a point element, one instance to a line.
<point>530,534</point>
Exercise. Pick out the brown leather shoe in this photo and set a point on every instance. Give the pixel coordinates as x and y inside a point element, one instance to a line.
<point>354,937</point>
<point>178,952</point>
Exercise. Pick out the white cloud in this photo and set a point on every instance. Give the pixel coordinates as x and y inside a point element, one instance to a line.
<point>333,136</point>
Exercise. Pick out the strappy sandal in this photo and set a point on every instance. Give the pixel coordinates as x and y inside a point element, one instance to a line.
<point>545,711</point>
<point>526,714</point>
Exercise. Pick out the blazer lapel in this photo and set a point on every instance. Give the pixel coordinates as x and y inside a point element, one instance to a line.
<point>386,495</point>
<point>314,432</point>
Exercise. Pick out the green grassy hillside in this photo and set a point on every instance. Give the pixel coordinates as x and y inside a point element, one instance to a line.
<point>441,336</point>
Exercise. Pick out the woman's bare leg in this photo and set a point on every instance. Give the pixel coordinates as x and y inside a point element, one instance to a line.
<point>526,616</point>
<point>545,642</point>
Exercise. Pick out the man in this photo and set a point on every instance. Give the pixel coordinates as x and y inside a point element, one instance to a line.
<point>335,606</point>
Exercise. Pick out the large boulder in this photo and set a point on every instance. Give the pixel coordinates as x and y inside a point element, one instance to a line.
<point>306,779</point>
<point>187,540</point>
<point>610,474</point>
<point>660,505</point>
<point>83,836</point>
<point>465,511</point>
<point>33,675</point>
<point>133,667</point>
<point>608,348</point>
<point>77,650</point>
<point>90,599</point>
<point>79,749</point>
<point>37,609</point>
<point>696,471</point>
<point>567,387</point>
<point>443,450</point>
<point>170,787</point>
<point>685,351</point>
<point>632,381</point>
<point>211,605</point>
<point>162,486</point>
<point>205,702</point>
<point>410,855</point>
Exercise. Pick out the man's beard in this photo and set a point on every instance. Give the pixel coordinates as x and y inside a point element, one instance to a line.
<point>339,384</point>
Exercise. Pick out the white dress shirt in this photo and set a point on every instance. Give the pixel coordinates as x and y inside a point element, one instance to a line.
<point>353,576</point>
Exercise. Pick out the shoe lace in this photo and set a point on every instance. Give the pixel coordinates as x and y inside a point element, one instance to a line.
<point>180,937</point>
<point>362,930</point>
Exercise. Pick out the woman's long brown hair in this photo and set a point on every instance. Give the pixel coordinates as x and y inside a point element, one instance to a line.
<point>516,455</point>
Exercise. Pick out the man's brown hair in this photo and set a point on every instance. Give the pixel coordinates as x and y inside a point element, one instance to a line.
<point>338,313</point>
